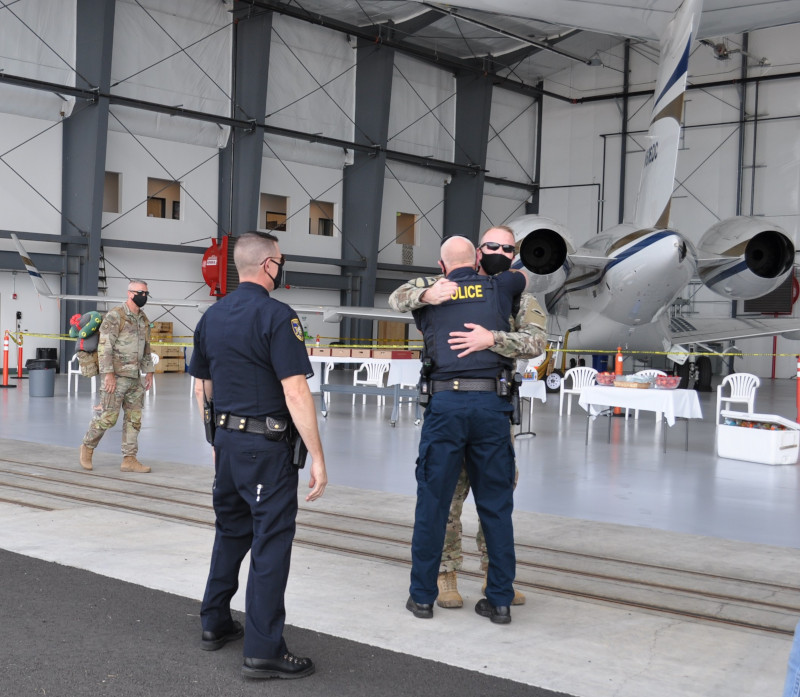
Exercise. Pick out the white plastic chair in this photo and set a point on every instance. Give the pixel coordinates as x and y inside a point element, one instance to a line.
<point>743,388</point>
<point>155,359</point>
<point>581,377</point>
<point>73,368</point>
<point>647,373</point>
<point>375,372</point>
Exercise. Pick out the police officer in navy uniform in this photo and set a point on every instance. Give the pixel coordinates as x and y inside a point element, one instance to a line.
<point>466,423</point>
<point>250,353</point>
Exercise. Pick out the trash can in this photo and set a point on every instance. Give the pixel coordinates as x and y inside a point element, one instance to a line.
<point>600,362</point>
<point>48,353</point>
<point>41,377</point>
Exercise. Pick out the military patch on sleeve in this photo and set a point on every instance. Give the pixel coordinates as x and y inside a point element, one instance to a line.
<point>297,328</point>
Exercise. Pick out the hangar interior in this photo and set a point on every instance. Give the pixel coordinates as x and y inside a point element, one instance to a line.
<point>363,132</point>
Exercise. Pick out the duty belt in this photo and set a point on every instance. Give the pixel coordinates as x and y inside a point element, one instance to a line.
<point>271,427</point>
<point>463,385</point>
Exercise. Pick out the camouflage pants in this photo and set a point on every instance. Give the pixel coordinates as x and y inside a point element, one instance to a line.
<point>128,396</point>
<point>451,551</point>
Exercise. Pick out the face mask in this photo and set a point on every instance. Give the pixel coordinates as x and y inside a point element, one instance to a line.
<point>495,263</point>
<point>139,300</point>
<point>278,273</point>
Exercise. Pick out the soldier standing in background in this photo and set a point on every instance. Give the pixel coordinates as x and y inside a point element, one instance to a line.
<point>527,338</point>
<point>123,353</point>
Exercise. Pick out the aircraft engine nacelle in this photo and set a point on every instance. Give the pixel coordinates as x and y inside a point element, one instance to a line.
<point>542,249</point>
<point>761,257</point>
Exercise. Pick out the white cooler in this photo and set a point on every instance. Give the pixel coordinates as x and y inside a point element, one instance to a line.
<point>756,444</point>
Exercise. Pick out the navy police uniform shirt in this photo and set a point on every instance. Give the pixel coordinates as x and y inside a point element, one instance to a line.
<point>483,300</point>
<point>247,343</point>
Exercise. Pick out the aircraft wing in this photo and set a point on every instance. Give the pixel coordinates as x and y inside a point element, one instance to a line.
<point>708,330</point>
<point>337,314</point>
<point>636,19</point>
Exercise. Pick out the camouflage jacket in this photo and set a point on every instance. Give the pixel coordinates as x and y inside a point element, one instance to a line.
<point>528,335</point>
<point>125,343</point>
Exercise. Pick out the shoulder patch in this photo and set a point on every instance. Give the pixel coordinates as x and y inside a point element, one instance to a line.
<point>297,328</point>
<point>424,281</point>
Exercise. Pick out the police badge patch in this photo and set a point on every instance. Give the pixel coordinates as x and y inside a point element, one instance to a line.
<point>297,328</point>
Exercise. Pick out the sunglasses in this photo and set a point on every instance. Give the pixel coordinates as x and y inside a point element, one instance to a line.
<point>494,246</point>
<point>140,292</point>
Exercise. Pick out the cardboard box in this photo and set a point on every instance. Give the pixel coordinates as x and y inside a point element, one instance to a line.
<point>401,354</point>
<point>758,444</point>
<point>170,365</point>
<point>381,353</point>
<point>155,337</point>
<point>361,353</point>
<point>162,327</point>
<point>168,351</point>
<point>319,351</point>
<point>340,352</point>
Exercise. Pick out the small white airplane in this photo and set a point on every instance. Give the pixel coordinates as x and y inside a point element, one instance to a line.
<point>329,313</point>
<point>41,287</point>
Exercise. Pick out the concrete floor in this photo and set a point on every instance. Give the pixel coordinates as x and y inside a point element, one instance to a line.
<point>623,499</point>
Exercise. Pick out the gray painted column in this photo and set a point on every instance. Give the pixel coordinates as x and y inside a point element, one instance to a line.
<point>240,161</point>
<point>85,135</point>
<point>463,196</point>
<point>362,197</point>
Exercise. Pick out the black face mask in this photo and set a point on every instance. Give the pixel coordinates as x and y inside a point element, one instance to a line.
<point>139,299</point>
<point>278,274</point>
<point>495,263</point>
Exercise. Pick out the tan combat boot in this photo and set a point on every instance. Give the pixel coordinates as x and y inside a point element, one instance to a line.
<point>448,590</point>
<point>519,598</point>
<point>131,464</point>
<point>86,457</point>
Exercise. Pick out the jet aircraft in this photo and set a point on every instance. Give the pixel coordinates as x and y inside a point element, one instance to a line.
<point>615,289</point>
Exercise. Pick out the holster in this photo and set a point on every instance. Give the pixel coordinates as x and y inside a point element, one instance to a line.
<point>516,415</point>
<point>299,449</point>
<point>424,385</point>
<point>209,422</point>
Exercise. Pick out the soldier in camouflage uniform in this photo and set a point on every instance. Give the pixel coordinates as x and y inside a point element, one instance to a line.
<point>527,339</point>
<point>123,353</point>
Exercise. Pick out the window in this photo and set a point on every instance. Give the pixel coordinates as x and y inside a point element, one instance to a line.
<point>320,218</point>
<point>163,196</point>
<point>406,231</point>
<point>111,201</point>
<point>272,213</point>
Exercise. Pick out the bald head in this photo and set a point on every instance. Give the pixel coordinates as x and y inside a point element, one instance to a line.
<point>457,252</point>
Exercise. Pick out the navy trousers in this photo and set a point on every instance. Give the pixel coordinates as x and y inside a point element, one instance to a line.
<point>467,429</point>
<point>255,501</point>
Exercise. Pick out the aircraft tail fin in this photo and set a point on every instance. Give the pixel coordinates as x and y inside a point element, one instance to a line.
<point>661,156</point>
<point>38,281</point>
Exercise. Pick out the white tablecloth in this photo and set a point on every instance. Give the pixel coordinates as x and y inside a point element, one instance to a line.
<point>672,403</point>
<point>533,389</point>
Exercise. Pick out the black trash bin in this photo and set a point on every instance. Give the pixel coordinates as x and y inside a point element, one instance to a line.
<point>41,377</point>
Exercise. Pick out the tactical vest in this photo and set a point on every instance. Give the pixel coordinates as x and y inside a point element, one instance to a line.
<point>476,301</point>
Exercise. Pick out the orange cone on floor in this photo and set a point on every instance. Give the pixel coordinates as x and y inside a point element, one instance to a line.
<point>618,371</point>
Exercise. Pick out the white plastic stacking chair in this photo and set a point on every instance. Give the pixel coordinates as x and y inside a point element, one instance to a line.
<point>647,373</point>
<point>73,368</point>
<point>155,359</point>
<point>375,372</point>
<point>743,388</point>
<point>580,377</point>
